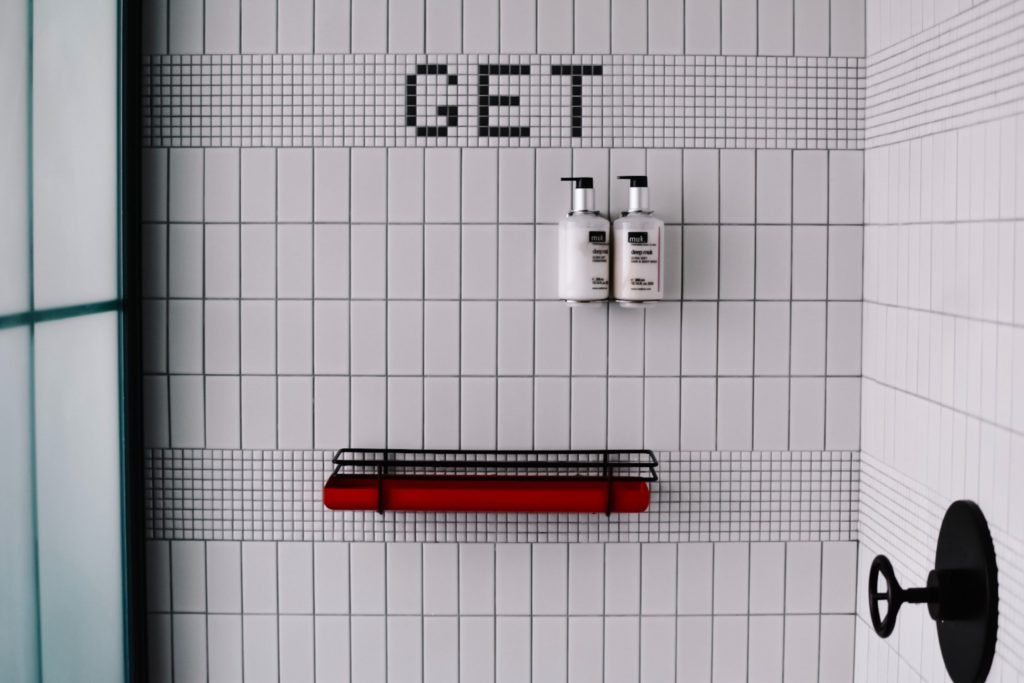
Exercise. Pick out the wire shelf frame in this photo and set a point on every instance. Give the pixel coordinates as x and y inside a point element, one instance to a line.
<point>558,472</point>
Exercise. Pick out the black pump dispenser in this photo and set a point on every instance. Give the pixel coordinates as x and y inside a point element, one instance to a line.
<point>638,199</point>
<point>582,193</point>
<point>634,180</point>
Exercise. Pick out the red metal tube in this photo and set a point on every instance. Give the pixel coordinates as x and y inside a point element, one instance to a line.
<point>487,494</point>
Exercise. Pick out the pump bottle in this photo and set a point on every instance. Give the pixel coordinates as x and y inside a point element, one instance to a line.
<point>583,248</point>
<point>637,268</point>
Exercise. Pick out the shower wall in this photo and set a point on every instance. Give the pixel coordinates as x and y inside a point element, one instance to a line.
<point>321,273</point>
<point>943,409</point>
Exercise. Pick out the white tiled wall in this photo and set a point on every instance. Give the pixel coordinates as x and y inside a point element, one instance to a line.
<point>943,405</point>
<point>315,278</point>
<point>705,27</point>
<point>223,610</point>
<point>303,298</point>
<point>387,328</point>
<point>423,312</point>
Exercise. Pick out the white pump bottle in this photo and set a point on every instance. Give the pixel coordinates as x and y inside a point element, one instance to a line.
<point>583,248</point>
<point>637,268</point>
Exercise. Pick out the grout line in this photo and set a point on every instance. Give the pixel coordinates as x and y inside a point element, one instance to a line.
<point>754,306</point>
<point>241,603</point>
<point>387,305</point>
<point>533,319</point>
<point>494,604</point>
<point>461,303</point>
<point>750,573</point>
<point>828,27</point>
<point>640,611</point>
<point>571,312</point>
<point>675,616</point>
<point>536,32</point>
<point>821,594</point>
<point>592,615</point>
<point>170,605</point>
<point>563,376</point>
<point>386,617</point>
<point>423,289</point>
<point>643,330</point>
<point>348,557</point>
<point>718,297</point>
<point>604,612</point>
<point>792,261</point>
<point>458,610</point>
<point>828,306</point>
<point>277,605</point>
<point>785,583</point>
<point>608,315</point>
<point>856,592</point>
<point>202,304</point>
<point>647,28</point>
<point>682,271</point>
<point>497,292</point>
<point>241,432</point>
<point>348,292</point>
<point>277,306</point>
<point>713,612</point>
<point>312,359</point>
<point>150,223</point>
<point>167,293</point>
<point>423,611</point>
<point>206,606</point>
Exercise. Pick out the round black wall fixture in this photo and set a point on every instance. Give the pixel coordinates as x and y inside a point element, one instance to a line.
<point>962,594</point>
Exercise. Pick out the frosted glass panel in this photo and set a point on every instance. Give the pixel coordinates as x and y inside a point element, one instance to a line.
<point>79,499</point>
<point>18,651</point>
<point>13,157</point>
<point>75,151</point>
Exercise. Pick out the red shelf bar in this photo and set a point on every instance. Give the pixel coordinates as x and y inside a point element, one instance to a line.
<point>486,494</point>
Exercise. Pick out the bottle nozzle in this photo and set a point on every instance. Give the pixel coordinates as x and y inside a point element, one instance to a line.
<point>582,193</point>
<point>581,182</point>
<point>638,199</point>
<point>634,180</point>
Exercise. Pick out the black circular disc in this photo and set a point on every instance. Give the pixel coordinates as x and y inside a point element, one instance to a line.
<point>968,645</point>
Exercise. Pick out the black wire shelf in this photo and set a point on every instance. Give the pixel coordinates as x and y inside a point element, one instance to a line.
<point>491,480</point>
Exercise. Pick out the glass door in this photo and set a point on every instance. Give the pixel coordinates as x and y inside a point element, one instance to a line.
<point>63,567</point>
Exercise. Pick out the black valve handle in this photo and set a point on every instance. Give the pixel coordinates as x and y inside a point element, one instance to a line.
<point>962,593</point>
<point>894,595</point>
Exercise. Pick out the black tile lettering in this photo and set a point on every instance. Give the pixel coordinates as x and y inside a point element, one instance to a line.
<point>486,100</point>
<point>576,72</point>
<point>449,112</point>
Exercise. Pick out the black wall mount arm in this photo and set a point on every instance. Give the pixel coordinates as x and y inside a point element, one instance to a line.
<point>962,594</point>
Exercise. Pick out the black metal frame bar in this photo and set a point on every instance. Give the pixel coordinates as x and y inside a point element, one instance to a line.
<point>130,180</point>
<point>607,467</point>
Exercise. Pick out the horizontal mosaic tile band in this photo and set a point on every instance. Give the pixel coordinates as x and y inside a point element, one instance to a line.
<point>357,100</point>
<point>701,496</point>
